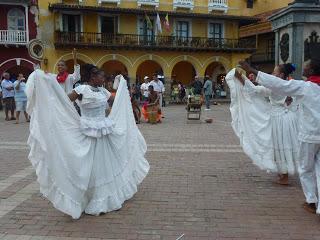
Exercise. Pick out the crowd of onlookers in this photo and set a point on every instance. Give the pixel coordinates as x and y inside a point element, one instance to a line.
<point>206,89</point>
<point>13,97</point>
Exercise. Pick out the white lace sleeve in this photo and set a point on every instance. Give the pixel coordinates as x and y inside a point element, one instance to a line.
<point>80,89</point>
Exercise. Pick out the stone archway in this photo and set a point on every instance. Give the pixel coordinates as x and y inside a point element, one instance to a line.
<point>114,67</point>
<point>183,72</point>
<point>148,68</point>
<point>81,58</point>
<point>16,70</point>
<point>16,66</point>
<point>217,72</point>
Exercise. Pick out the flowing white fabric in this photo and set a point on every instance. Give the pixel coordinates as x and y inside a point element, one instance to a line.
<point>267,130</point>
<point>84,164</point>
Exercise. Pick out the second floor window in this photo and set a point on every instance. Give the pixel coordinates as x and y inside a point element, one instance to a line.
<point>145,28</point>
<point>215,30</point>
<point>182,29</point>
<point>16,20</point>
<point>71,23</point>
<point>109,25</point>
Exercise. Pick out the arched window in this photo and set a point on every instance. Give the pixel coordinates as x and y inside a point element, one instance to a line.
<point>16,20</point>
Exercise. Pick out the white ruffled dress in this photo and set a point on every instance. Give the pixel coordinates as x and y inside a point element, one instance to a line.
<point>88,164</point>
<point>267,129</point>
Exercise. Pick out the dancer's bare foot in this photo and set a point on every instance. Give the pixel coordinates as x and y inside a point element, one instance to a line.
<point>310,207</point>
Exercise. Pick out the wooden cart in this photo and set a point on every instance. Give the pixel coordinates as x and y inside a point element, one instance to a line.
<point>194,107</point>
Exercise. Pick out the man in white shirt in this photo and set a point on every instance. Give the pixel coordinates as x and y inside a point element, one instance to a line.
<point>158,87</point>
<point>65,79</point>
<point>307,94</point>
<point>8,96</point>
<point>145,89</point>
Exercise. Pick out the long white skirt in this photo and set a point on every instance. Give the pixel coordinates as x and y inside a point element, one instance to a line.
<point>267,135</point>
<point>78,173</point>
<point>285,140</point>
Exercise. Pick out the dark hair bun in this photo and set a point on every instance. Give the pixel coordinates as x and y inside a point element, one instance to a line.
<point>289,68</point>
<point>88,67</point>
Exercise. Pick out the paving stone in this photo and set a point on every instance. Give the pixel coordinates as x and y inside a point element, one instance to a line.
<point>200,184</point>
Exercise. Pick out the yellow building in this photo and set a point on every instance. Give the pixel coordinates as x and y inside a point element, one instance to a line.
<point>202,38</point>
<point>261,31</point>
<point>123,35</point>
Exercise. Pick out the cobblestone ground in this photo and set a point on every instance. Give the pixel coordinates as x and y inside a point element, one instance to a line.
<point>200,186</point>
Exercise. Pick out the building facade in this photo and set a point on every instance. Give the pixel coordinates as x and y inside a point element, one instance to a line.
<point>261,31</point>
<point>17,28</point>
<point>121,36</point>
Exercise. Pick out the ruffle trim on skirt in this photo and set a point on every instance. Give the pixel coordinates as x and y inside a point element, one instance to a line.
<point>96,129</point>
<point>114,193</point>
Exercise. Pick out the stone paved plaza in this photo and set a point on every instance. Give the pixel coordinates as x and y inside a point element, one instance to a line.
<point>200,186</point>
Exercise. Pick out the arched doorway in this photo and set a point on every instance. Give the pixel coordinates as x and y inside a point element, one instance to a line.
<point>17,65</point>
<point>114,67</point>
<point>183,72</point>
<point>217,73</point>
<point>16,70</point>
<point>148,68</point>
<point>70,65</point>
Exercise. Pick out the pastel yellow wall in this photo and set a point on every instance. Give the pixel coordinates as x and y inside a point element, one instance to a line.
<point>236,7</point>
<point>133,59</point>
<point>239,7</point>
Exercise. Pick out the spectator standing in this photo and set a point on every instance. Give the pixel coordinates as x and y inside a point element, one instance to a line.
<point>158,87</point>
<point>20,97</point>
<point>207,92</point>
<point>8,96</point>
<point>145,89</point>
<point>197,86</point>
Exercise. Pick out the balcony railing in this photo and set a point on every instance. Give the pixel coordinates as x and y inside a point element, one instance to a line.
<point>189,4</point>
<point>132,41</point>
<point>218,5</point>
<point>148,2</point>
<point>13,37</point>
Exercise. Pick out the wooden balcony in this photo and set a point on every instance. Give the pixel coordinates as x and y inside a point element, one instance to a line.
<point>143,42</point>
<point>13,37</point>
<point>218,5</point>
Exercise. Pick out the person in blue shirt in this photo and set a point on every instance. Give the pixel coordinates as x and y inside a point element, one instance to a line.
<point>8,96</point>
<point>20,97</point>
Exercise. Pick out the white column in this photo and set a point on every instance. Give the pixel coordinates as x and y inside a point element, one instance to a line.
<point>27,21</point>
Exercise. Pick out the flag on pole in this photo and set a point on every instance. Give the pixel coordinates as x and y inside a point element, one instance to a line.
<point>149,23</point>
<point>158,24</point>
<point>166,23</point>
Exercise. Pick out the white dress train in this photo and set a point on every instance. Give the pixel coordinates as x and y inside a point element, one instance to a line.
<point>88,164</point>
<point>267,130</point>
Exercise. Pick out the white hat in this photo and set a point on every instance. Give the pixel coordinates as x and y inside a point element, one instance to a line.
<point>146,77</point>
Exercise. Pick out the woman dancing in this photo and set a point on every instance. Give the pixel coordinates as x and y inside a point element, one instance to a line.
<point>307,94</point>
<point>91,163</point>
<point>283,122</point>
